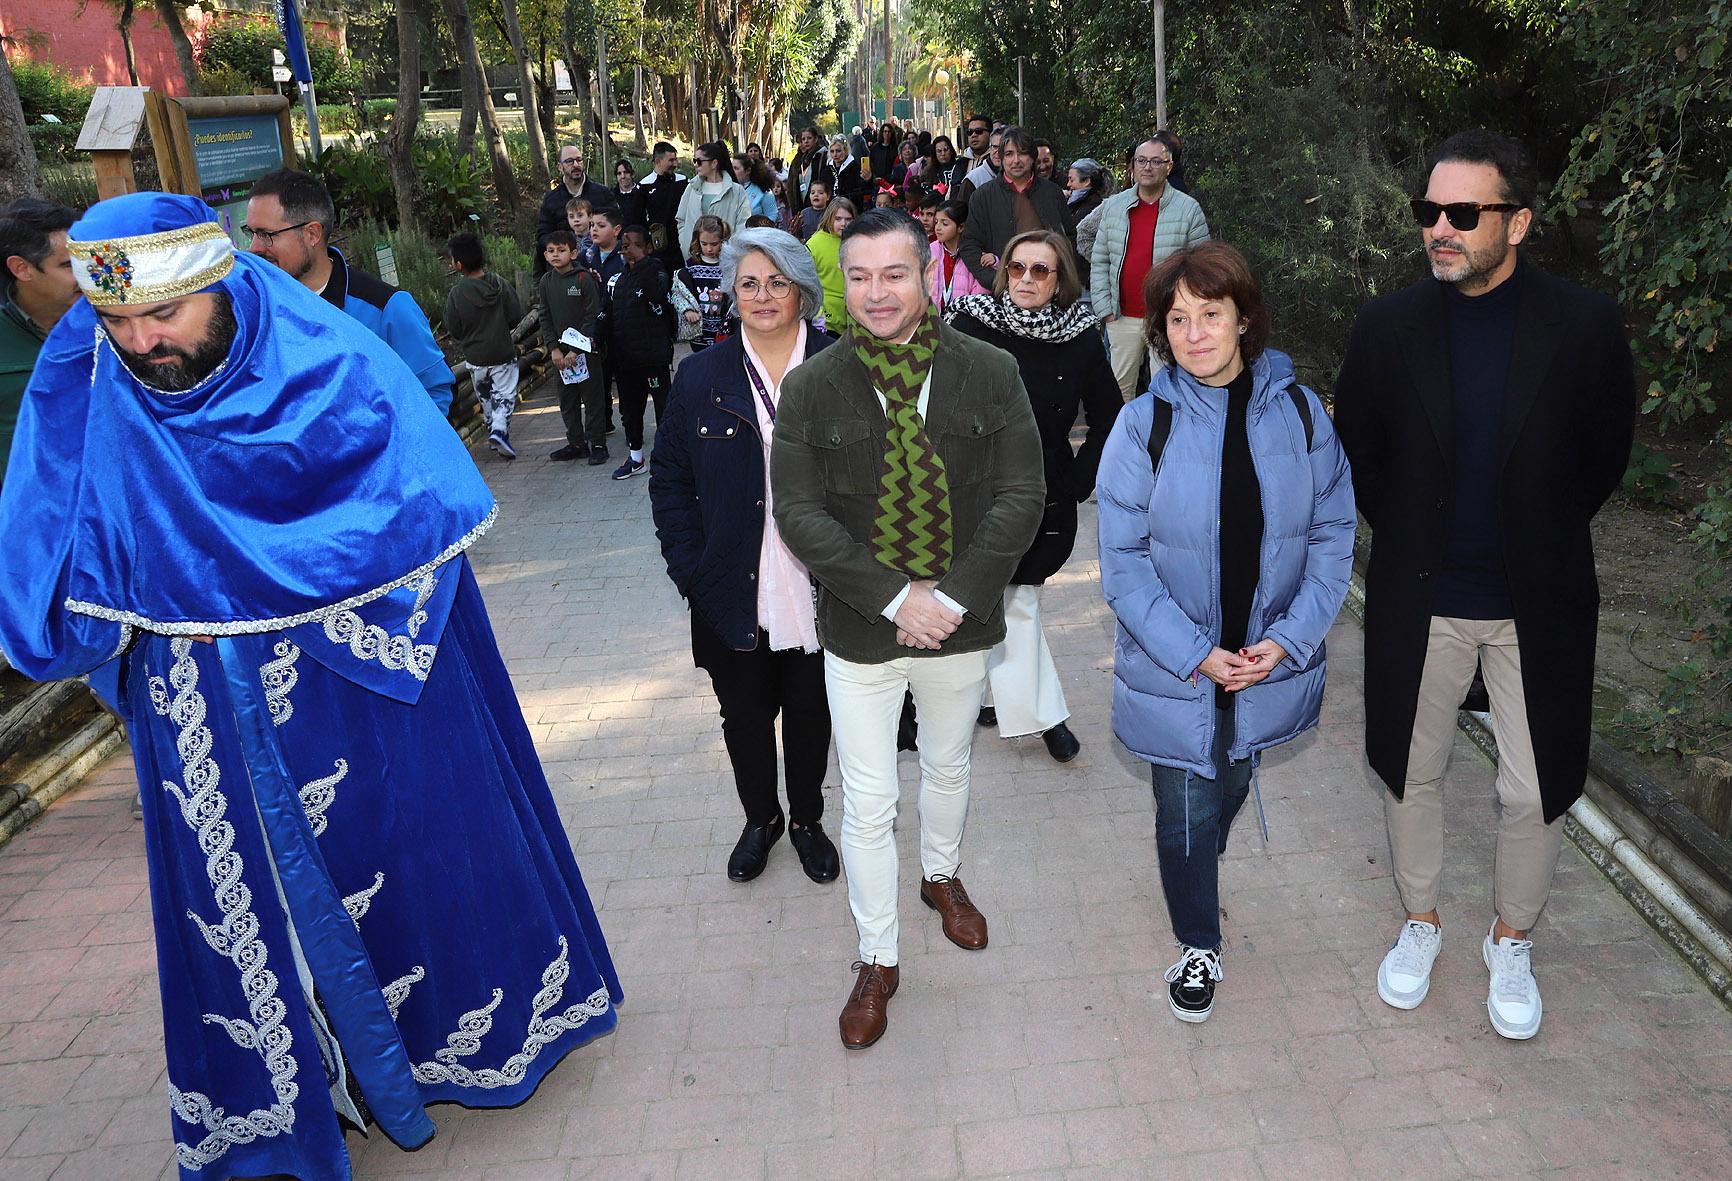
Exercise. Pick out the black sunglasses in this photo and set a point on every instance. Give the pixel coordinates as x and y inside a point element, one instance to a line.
<point>1463,215</point>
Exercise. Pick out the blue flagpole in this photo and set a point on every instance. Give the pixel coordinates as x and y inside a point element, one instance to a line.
<point>300,65</point>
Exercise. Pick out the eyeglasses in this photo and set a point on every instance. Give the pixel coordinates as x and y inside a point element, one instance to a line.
<point>1039,270</point>
<point>1152,161</point>
<point>776,286</point>
<point>572,160</point>
<point>269,237</point>
<point>1463,215</point>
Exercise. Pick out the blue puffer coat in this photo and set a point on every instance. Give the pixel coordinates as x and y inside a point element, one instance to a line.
<point>1160,560</point>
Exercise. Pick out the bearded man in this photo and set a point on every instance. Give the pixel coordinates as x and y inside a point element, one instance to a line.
<point>238,510</point>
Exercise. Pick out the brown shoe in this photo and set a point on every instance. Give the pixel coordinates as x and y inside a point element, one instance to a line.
<point>964,925</point>
<point>867,1014</point>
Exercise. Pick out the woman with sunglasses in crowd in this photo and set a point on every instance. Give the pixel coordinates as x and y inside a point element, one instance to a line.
<point>1035,315</point>
<point>1226,542</point>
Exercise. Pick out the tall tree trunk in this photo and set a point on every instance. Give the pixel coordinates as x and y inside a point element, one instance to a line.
<point>530,97</point>
<point>19,175</point>
<point>471,79</point>
<point>169,13</point>
<point>124,24</point>
<point>571,29</point>
<point>637,96</point>
<point>463,33</point>
<point>399,145</point>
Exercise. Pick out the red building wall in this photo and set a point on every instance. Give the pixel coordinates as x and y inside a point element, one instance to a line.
<point>88,45</point>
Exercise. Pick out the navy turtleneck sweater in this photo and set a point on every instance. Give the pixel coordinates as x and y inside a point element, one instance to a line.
<point>1473,583</point>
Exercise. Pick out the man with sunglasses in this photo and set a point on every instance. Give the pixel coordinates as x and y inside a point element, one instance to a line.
<point>1488,412</point>
<point>290,217</point>
<point>975,134</point>
<point>1139,227</point>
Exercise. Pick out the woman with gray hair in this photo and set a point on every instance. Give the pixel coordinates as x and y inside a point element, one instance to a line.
<point>1086,184</point>
<point>753,625</point>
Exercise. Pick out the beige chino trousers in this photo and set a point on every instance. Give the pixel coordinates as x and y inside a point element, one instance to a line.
<point>1527,847</point>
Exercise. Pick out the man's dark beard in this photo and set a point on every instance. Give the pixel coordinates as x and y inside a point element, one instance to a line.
<point>189,368</point>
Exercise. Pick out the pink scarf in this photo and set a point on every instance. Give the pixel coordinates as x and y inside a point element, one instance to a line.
<point>785,607</point>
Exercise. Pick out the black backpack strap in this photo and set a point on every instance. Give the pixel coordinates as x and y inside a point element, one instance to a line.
<point>1303,405</point>
<point>1159,429</point>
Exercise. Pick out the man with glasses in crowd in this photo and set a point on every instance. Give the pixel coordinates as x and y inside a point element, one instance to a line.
<point>1138,228</point>
<point>289,221</point>
<point>574,182</point>
<point>1488,412</point>
<point>985,167</point>
<point>975,134</point>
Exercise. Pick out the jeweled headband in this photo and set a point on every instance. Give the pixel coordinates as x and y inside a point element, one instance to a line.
<point>148,268</point>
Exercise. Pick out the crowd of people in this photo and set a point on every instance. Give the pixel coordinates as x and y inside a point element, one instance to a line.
<point>862,475</point>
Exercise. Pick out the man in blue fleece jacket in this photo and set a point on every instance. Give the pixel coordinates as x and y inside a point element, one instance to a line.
<point>290,217</point>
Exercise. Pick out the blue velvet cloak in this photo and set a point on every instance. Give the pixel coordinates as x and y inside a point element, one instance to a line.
<point>360,884</point>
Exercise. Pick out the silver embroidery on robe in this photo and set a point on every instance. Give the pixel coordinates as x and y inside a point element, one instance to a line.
<point>423,592</point>
<point>397,991</point>
<point>279,676</point>
<point>369,641</point>
<point>202,806</point>
<point>476,1023</point>
<point>320,794</point>
<point>357,903</point>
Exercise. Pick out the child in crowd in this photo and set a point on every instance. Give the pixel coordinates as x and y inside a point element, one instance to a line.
<point>698,297</point>
<point>604,258</point>
<point>640,336</point>
<point>577,212</point>
<point>759,222</point>
<point>480,312</point>
<point>817,200</point>
<point>929,208</point>
<point>571,298</point>
<point>951,278</point>
<point>886,198</point>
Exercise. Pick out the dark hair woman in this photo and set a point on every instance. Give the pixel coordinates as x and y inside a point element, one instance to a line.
<point>1226,543</point>
<point>753,624</point>
<point>1033,313</point>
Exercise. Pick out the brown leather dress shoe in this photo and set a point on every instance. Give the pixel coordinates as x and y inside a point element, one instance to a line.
<point>964,925</point>
<point>867,1014</point>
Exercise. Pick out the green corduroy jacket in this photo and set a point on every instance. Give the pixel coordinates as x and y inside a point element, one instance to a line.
<point>825,465</point>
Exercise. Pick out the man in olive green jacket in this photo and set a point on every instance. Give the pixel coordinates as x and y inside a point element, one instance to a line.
<point>36,289</point>
<point>906,476</point>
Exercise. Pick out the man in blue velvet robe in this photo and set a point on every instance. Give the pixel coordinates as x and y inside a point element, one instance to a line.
<point>238,511</point>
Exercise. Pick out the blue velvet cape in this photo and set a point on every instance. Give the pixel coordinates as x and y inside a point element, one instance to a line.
<point>360,884</point>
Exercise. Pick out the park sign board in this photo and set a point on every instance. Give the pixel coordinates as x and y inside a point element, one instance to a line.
<point>212,148</point>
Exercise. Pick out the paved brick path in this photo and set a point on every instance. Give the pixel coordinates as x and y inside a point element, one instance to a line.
<point>1049,1054</point>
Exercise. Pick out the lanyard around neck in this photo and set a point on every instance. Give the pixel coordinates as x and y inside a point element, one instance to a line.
<point>763,390</point>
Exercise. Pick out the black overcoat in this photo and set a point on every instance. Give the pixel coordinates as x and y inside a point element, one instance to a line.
<point>1568,422</point>
<point>1060,378</point>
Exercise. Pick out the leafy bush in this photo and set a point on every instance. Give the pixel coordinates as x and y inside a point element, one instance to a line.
<point>421,271</point>
<point>72,184</point>
<point>45,89</point>
<point>236,55</point>
<point>450,190</point>
<point>1649,477</point>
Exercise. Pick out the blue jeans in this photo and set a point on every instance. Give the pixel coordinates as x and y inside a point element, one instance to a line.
<point>1192,816</point>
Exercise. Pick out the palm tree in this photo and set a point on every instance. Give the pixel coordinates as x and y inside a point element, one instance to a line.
<point>936,72</point>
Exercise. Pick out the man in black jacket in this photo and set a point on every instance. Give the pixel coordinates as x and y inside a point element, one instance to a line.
<point>640,341</point>
<point>662,190</point>
<point>574,182</point>
<point>1001,209</point>
<point>1488,413</point>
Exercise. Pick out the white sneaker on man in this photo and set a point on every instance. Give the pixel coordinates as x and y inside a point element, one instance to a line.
<point>1513,1000</point>
<point>1404,977</point>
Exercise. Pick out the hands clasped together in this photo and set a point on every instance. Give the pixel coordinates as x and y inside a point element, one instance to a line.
<point>1234,671</point>
<point>922,621</point>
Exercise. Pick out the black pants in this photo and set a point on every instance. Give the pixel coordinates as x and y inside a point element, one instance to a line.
<point>753,688</point>
<point>583,409</point>
<point>637,388</point>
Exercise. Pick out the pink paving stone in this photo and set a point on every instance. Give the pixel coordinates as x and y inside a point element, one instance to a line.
<point>1013,1146</point>
<point>1303,1160</point>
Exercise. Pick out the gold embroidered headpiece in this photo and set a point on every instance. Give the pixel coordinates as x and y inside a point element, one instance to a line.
<point>148,268</point>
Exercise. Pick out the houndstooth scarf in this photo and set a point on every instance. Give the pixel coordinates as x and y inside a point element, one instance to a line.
<point>1047,323</point>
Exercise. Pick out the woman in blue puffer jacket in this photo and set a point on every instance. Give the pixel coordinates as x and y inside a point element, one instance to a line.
<point>1226,544</point>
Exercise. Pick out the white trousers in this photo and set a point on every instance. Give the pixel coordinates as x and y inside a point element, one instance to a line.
<point>1126,349</point>
<point>496,390</point>
<point>1025,688</point>
<point>865,706</point>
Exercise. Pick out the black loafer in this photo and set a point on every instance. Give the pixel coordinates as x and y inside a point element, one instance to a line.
<point>1061,744</point>
<point>988,716</point>
<point>752,852</point>
<point>817,855</point>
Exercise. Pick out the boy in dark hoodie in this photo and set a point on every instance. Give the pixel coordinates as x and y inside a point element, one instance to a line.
<point>571,298</point>
<point>640,340</point>
<point>480,312</point>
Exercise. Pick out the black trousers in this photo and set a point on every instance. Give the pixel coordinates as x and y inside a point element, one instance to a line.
<point>637,388</point>
<point>753,689</point>
<point>583,409</point>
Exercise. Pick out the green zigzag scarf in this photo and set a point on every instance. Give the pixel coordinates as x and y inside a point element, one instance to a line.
<point>912,532</point>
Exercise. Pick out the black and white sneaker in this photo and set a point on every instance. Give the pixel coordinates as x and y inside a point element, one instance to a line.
<point>1191,984</point>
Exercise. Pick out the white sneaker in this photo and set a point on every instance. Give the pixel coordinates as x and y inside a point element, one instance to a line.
<point>1404,977</point>
<point>1514,998</point>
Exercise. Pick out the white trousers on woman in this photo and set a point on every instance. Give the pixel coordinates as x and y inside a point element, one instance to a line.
<point>865,706</point>
<point>1025,687</point>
